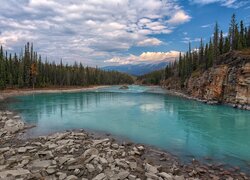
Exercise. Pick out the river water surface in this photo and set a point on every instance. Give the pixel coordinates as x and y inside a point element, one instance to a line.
<point>183,127</point>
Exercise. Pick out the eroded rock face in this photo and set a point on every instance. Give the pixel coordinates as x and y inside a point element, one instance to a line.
<point>223,83</point>
<point>228,82</point>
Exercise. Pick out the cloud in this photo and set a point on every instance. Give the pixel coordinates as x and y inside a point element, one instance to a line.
<point>145,57</point>
<point>226,3</point>
<point>179,17</point>
<point>150,42</point>
<point>190,40</point>
<point>87,31</point>
<point>207,25</point>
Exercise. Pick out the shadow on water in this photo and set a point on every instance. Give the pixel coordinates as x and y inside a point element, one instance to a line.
<point>183,127</point>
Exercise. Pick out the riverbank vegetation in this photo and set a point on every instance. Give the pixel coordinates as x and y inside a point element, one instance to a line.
<point>206,55</point>
<point>28,70</point>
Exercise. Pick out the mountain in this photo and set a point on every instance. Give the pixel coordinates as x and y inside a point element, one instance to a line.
<point>137,69</point>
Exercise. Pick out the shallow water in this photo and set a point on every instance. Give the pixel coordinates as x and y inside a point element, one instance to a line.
<point>145,115</point>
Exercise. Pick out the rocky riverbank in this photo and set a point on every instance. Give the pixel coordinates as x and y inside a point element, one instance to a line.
<point>79,155</point>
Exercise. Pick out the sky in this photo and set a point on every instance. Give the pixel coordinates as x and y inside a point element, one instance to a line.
<point>113,32</point>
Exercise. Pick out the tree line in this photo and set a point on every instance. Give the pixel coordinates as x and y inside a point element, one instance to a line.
<point>207,55</point>
<point>28,70</point>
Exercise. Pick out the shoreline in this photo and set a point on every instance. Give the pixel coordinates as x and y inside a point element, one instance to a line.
<point>4,94</point>
<point>124,159</point>
<point>209,102</point>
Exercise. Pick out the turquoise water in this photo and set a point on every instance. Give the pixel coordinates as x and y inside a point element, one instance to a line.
<point>145,115</point>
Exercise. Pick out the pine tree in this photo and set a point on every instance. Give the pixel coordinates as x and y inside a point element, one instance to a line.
<point>221,43</point>
<point>201,52</point>
<point>2,69</point>
<point>216,42</point>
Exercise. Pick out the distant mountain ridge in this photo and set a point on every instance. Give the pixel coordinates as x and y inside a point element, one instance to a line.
<point>137,69</point>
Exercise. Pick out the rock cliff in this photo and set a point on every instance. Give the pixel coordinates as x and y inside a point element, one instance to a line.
<point>226,82</point>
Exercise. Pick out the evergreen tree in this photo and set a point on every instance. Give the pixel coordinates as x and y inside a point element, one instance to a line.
<point>221,43</point>
<point>216,42</point>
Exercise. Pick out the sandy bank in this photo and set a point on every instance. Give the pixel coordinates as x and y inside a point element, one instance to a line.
<point>16,92</point>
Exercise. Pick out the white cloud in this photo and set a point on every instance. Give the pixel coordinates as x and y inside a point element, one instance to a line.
<point>150,42</point>
<point>207,25</point>
<point>146,57</point>
<point>179,17</point>
<point>227,3</point>
<point>88,31</point>
<point>190,40</point>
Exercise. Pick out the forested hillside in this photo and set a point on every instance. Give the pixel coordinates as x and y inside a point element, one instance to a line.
<point>207,55</point>
<point>216,72</point>
<point>28,70</point>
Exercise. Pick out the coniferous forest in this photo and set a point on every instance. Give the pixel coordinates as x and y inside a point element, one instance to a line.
<point>206,55</point>
<point>28,70</point>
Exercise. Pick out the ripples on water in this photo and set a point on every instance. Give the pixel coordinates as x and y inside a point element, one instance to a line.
<point>146,115</point>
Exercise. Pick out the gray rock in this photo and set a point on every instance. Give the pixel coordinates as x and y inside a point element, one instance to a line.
<point>50,171</point>
<point>103,161</point>
<point>179,178</point>
<point>45,154</point>
<point>62,176</point>
<point>71,177</point>
<point>122,175</point>
<point>90,168</point>
<point>77,171</point>
<point>151,169</point>
<point>96,142</point>
<point>115,146</point>
<point>132,177</point>
<point>132,165</point>
<point>41,164</point>
<point>166,176</point>
<point>99,177</point>
<point>151,175</point>
<point>13,126</point>
<point>24,149</point>
<point>79,166</point>
<point>3,150</point>
<point>91,151</point>
<point>18,172</point>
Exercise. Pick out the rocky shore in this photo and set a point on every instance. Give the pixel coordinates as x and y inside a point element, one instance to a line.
<point>79,155</point>
<point>210,102</point>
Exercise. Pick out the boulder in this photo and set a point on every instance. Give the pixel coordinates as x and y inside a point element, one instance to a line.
<point>13,126</point>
